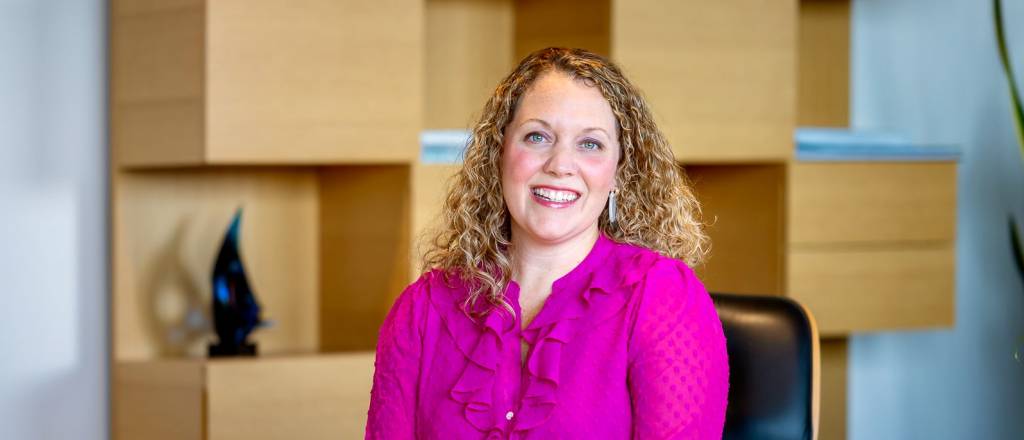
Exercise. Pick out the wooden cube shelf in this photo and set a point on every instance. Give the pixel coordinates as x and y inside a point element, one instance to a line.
<point>324,247</point>
<point>871,244</point>
<point>872,202</point>
<point>307,114</point>
<point>744,210</point>
<point>823,75</point>
<point>300,397</point>
<point>895,287</point>
<point>720,76</point>
<point>198,82</point>
<point>468,50</point>
<point>866,246</point>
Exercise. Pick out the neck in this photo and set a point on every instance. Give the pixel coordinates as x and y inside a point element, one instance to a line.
<point>536,263</point>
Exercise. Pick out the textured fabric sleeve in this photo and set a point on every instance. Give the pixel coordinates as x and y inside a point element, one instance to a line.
<point>396,368</point>
<point>679,370</point>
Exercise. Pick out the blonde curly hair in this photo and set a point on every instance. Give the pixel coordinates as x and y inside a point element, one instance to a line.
<point>656,208</point>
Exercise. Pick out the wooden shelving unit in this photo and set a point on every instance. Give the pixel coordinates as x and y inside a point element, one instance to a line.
<point>309,397</point>
<point>307,115</point>
<point>871,245</point>
<point>234,82</point>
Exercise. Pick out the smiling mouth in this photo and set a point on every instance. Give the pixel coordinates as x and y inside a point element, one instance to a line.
<point>556,196</point>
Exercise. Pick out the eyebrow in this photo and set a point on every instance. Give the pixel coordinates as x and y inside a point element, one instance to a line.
<point>606,134</point>
<point>548,126</point>
<point>540,121</point>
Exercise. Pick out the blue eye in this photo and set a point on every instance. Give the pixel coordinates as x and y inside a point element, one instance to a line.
<point>535,137</point>
<point>590,145</point>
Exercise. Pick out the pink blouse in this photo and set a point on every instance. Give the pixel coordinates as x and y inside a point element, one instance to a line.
<point>628,345</point>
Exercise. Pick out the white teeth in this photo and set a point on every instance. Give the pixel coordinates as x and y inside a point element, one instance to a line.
<point>555,196</point>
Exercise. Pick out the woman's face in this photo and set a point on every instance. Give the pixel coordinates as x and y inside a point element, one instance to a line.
<point>558,160</point>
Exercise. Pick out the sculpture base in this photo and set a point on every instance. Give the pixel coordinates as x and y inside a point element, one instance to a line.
<point>222,350</point>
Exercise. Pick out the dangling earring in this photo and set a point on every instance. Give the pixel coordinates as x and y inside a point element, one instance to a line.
<point>611,206</point>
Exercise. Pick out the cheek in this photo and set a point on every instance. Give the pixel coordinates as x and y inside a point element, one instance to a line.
<point>518,166</point>
<point>601,174</point>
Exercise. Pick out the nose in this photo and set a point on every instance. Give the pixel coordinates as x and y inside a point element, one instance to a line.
<point>562,161</point>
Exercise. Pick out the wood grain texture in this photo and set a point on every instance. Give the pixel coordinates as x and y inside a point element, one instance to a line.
<point>157,101</point>
<point>743,207</point>
<point>264,82</point>
<point>304,397</point>
<point>872,202</point>
<point>874,289</point>
<point>562,23</point>
<point>315,397</point>
<point>314,81</point>
<point>823,86</point>
<point>468,51</point>
<point>832,424</point>
<point>429,187</point>
<point>158,400</point>
<point>364,251</point>
<point>719,76</point>
<point>167,227</point>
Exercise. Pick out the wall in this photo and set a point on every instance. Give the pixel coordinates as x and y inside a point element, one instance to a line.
<point>53,246</point>
<point>929,69</point>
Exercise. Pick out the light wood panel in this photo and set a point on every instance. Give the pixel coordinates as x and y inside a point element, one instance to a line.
<point>562,23</point>
<point>872,202</point>
<point>468,51</point>
<point>744,209</point>
<point>166,230</point>
<point>316,397</point>
<point>429,186</point>
<point>720,76</point>
<point>832,424</point>
<point>156,81</point>
<point>364,251</point>
<point>823,87</point>
<point>314,81</point>
<point>309,397</point>
<point>157,400</point>
<point>266,82</point>
<point>871,289</point>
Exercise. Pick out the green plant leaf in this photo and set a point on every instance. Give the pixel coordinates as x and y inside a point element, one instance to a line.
<point>1018,112</point>
<point>1018,246</point>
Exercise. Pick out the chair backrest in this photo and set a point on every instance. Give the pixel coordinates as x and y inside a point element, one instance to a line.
<point>774,367</point>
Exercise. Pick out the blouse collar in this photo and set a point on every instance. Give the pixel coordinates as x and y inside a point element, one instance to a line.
<point>590,263</point>
<point>579,274</point>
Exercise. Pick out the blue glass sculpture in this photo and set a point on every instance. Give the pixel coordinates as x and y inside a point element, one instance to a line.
<point>236,313</point>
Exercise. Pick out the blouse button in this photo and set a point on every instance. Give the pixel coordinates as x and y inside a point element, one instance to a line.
<point>509,415</point>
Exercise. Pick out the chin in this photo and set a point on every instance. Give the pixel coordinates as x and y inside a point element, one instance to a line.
<point>552,236</point>
<point>555,233</point>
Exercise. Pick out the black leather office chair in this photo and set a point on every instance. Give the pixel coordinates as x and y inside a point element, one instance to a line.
<point>774,367</point>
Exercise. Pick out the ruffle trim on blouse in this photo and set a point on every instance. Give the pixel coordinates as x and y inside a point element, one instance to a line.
<point>605,293</point>
<point>480,344</point>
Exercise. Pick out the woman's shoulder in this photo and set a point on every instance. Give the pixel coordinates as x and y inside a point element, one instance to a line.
<point>655,278</point>
<point>417,294</point>
<point>436,288</point>
<point>431,294</point>
<point>649,263</point>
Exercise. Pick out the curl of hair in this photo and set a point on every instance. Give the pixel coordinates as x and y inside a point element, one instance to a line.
<point>656,207</point>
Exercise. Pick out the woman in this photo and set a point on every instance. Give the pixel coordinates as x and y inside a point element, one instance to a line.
<point>557,306</point>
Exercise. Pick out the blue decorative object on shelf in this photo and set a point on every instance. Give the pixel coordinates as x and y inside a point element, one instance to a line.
<point>236,313</point>
<point>833,144</point>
